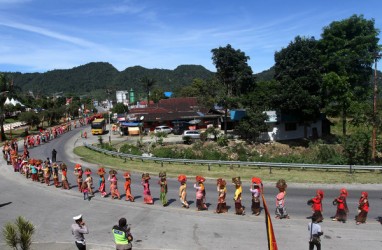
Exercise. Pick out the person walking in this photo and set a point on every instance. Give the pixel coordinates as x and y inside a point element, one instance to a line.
<point>239,208</point>
<point>316,203</point>
<point>314,234</point>
<point>147,198</point>
<point>122,236</point>
<point>342,207</point>
<point>363,208</point>
<point>78,230</point>
<point>281,212</point>
<point>127,186</point>
<point>256,192</point>
<point>200,193</point>
<point>183,190</point>
<point>222,191</point>
<point>163,188</point>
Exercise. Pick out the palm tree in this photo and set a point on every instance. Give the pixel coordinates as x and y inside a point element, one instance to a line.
<point>148,83</point>
<point>18,235</point>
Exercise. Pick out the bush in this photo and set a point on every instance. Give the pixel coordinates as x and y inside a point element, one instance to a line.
<point>357,148</point>
<point>222,141</point>
<point>130,149</point>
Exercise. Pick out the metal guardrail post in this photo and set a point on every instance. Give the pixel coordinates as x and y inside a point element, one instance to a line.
<point>161,164</point>
<point>209,167</point>
<point>350,169</point>
<point>270,169</point>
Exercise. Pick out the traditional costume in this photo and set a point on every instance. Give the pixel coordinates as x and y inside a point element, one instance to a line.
<point>55,175</point>
<point>256,192</point>
<point>316,204</point>
<point>78,172</point>
<point>363,208</point>
<point>222,191</point>
<point>127,187</point>
<point>240,210</point>
<point>101,172</point>
<point>342,207</point>
<point>183,191</point>
<point>163,188</point>
<point>147,199</point>
<point>200,193</point>
<point>281,212</point>
<point>89,180</point>
<point>113,184</point>
<point>64,179</point>
<point>46,174</point>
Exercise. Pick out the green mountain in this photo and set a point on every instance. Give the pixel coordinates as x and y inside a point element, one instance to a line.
<point>95,78</point>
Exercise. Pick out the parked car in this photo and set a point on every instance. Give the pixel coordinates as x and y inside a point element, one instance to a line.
<point>165,129</point>
<point>192,134</point>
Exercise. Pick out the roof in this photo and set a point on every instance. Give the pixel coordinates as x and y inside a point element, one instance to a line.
<point>185,108</point>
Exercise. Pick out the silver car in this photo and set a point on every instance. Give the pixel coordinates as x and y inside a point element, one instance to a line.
<point>192,134</point>
<point>165,129</point>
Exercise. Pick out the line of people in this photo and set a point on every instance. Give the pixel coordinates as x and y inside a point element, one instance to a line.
<point>42,171</point>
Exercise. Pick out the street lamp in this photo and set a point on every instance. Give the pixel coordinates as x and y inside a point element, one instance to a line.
<point>376,56</point>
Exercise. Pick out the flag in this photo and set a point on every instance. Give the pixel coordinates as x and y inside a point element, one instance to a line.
<point>272,244</point>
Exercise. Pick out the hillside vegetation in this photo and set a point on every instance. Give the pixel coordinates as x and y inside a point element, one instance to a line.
<point>100,76</point>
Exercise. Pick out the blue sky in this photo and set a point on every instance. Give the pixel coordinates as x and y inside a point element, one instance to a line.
<point>42,35</point>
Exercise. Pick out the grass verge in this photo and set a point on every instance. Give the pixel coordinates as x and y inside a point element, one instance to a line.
<point>227,172</point>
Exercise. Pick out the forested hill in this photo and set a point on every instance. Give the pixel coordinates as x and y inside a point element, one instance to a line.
<point>93,78</point>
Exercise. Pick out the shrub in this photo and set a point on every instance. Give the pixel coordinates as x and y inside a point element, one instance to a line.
<point>222,141</point>
<point>130,149</point>
<point>357,148</point>
<point>19,233</point>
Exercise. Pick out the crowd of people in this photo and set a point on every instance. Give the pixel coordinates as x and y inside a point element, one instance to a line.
<point>49,170</point>
<point>45,171</point>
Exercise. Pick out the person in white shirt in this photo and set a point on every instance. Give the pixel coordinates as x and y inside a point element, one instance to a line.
<point>78,230</point>
<point>314,234</point>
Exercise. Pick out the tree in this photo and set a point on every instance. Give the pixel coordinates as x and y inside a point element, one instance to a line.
<point>5,86</point>
<point>234,75</point>
<point>19,233</point>
<point>347,49</point>
<point>120,108</point>
<point>148,83</point>
<point>30,118</point>
<point>251,126</point>
<point>298,72</point>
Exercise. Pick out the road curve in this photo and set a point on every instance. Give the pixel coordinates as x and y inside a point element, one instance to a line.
<point>157,227</point>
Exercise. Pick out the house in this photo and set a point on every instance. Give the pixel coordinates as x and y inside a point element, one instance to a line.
<point>172,112</point>
<point>289,127</point>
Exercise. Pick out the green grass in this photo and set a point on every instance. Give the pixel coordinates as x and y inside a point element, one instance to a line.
<point>227,172</point>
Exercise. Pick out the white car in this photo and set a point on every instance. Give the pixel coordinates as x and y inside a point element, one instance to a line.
<point>165,129</point>
<point>192,134</point>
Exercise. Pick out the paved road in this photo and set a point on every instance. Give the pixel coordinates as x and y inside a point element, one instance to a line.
<point>172,227</point>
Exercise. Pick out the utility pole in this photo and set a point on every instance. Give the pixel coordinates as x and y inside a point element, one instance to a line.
<point>374,133</point>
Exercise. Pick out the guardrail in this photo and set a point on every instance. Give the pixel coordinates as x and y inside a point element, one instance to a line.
<point>271,165</point>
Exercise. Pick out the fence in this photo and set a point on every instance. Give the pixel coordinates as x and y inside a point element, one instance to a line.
<point>271,165</point>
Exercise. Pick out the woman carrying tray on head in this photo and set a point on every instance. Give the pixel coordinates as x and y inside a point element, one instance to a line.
<point>127,186</point>
<point>147,199</point>
<point>113,184</point>
<point>200,193</point>
<point>183,191</point>
<point>102,182</point>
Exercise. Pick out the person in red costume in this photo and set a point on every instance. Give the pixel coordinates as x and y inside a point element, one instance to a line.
<point>342,207</point>
<point>316,203</point>
<point>363,208</point>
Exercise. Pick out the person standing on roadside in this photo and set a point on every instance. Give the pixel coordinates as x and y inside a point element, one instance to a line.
<point>54,155</point>
<point>122,235</point>
<point>314,234</point>
<point>78,230</point>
